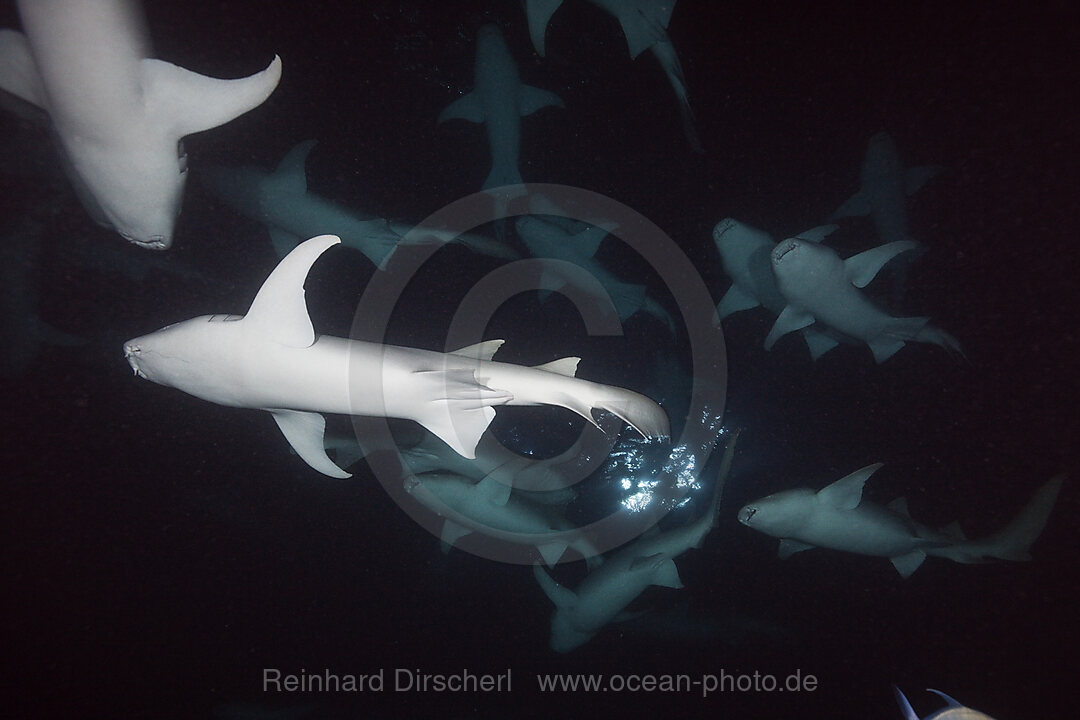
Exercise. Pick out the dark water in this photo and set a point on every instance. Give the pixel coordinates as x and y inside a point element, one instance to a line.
<point>159,552</point>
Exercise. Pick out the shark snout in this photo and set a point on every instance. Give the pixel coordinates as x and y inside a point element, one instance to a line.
<point>722,227</point>
<point>783,249</point>
<point>747,513</point>
<point>131,354</point>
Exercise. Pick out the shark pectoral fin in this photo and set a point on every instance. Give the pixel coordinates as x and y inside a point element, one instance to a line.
<point>789,547</point>
<point>862,268</point>
<point>495,492</point>
<point>884,347</point>
<point>735,300</point>
<point>551,552</point>
<point>846,493</point>
<point>563,366</point>
<point>457,408</point>
<point>188,102</point>
<point>480,351</point>
<point>539,13</point>
<point>907,564</point>
<point>587,242</point>
<point>451,533</point>
<point>855,206</point>
<point>531,99</point>
<point>279,311</point>
<point>905,706</point>
<point>290,176</point>
<point>18,71</point>
<point>667,575</point>
<point>562,597</point>
<point>466,107</point>
<point>788,321</point>
<point>916,177</point>
<point>283,241</point>
<point>818,342</point>
<point>643,23</point>
<point>304,431</point>
<point>817,234</point>
<point>950,701</point>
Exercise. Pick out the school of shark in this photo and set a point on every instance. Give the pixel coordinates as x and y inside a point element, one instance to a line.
<point>508,446</point>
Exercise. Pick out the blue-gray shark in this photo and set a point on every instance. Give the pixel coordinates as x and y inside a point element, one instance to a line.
<point>745,253</point>
<point>499,100</point>
<point>953,710</point>
<point>837,517</point>
<point>549,240</point>
<point>608,589</point>
<point>822,289</point>
<point>281,200</point>
<point>271,359</point>
<point>119,114</point>
<point>884,187</point>
<point>644,23</point>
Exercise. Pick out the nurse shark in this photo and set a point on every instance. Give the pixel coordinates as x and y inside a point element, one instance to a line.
<point>271,359</point>
<point>119,114</point>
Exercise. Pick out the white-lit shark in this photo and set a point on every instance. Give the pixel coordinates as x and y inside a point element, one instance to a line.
<point>119,114</point>
<point>281,200</point>
<point>745,253</point>
<point>821,288</point>
<point>837,517</point>
<point>499,100</point>
<point>953,710</point>
<point>271,359</point>
<point>549,240</point>
<point>884,187</point>
<point>644,23</point>
<point>621,578</point>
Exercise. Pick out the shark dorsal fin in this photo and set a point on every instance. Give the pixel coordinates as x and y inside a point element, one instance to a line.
<point>817,234</point>
<point>951,702</point>
<point>279,310</point>
<point>493,491</point>
<point>899,506</point>
<point>539,12</point>
<point>563,366</point>
<point>846,493</point>
<point>561,596</point>
<point>644,23</point>
<point>290,175</point>
<point>187,102</point>
<point>20,75</point>
<point>481,350</point>
<point>864,267</point>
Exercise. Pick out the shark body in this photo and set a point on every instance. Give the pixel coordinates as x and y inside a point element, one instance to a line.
<point>271,359</point>
<point>499,100</point>
<point>837,517</point>
<point>821,288</point>
<point>608,589</point>
<point>119,115</point>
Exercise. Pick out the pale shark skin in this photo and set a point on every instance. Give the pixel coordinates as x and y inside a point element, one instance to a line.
<point>745,253</point>
<point>644,23</point>
<point>884,187</point>
<point>546,239</point>
<point>119,114</point>
<point>838,518</point>
<point>271,359</point>
<point>952,711</point>
<point>621,578</point>
<point>490,508</point>
<point>821,288</point>
<point>281,201</point>
<point>499,100</point>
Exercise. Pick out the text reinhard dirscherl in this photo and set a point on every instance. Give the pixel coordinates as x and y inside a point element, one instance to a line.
<point>397,680</point>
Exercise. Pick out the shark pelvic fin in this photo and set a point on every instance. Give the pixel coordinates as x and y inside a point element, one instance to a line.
<point>459,408</point>
<point>304,431</point>
<point>279,310</point>
<point>907,564</point>
<point>789,547</point>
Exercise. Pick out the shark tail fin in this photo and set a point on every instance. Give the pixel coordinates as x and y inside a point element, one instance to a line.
<point>637,411</point>
<point>1014,541</point>
<point>936,336</point>
<point>669,61</point>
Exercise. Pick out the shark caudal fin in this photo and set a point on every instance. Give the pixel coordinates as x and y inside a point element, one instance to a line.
<point>636,410</point>
<point>936,336</point>
<point>1014,541</point>
<point>669,61</point>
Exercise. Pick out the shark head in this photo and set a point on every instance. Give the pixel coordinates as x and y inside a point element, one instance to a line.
<point>798,260</point>
<point>176,355</point>
<point>781,514</point>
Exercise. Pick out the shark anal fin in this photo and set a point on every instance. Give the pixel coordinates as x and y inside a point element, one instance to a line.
<point>304,431</point>
<point>667,575</point>
<point>818,342</point>
<point>907,564</point>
